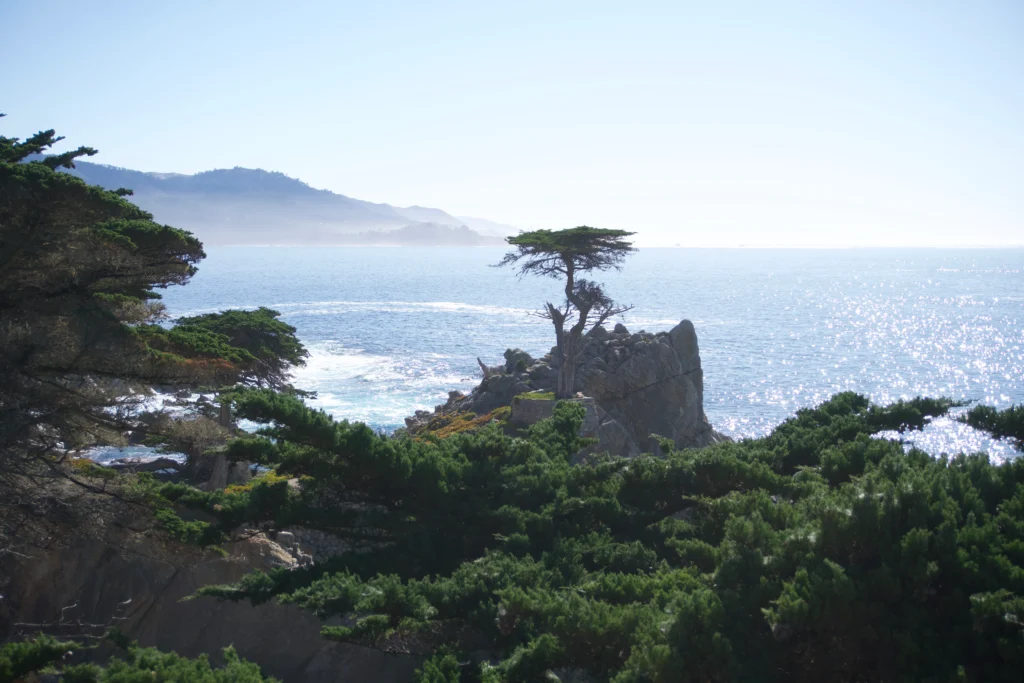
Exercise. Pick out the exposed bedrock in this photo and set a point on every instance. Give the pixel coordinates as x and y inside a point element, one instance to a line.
<point>116,570</point>
<point>645,387</point>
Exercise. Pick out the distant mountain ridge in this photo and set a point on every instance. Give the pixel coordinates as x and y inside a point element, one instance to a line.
<point>253,206</point>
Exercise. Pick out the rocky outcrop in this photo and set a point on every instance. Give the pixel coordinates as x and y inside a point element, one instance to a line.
<point>311,545</point>
<point>651,384</point>
<point>610,435</point>
<point>645,387</point>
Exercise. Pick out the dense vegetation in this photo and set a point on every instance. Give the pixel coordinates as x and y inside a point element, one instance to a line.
<point>261,348</point>
<point>130,664</point>
<point>83,338</point>
<point>82,332</point>
<point>817,553</point>
<point>78,270</point>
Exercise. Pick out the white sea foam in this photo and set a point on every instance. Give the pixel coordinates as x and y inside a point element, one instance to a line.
<point>107,454</point>
<point>332,307</point>
<point>377,389</point>
<point>294,308</point>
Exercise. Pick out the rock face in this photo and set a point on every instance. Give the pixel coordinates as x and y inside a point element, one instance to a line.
<point>651,384</point>
<point>126,574</point>
<point>645,387</point>
<point>526,411</point>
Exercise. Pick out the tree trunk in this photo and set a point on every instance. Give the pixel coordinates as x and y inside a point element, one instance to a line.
<point>219,476</point>
<point>566,387</point>
<point>224,416</point>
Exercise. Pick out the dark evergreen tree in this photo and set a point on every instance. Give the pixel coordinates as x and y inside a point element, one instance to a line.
<point>820,552</point>
<point>265,348</point>
<point>1002,424</point>
<point>46,658</point>
<point>80,342</point>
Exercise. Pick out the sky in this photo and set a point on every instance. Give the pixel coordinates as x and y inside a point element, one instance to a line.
<point>692,123</point>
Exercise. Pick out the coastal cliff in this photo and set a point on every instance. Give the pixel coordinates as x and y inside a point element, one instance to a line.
<point>74,571</point>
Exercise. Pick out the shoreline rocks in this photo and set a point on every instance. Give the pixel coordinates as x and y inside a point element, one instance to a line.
<point>645,387</point>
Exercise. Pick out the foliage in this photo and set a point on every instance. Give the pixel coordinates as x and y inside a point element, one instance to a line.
<point>252,347</point>
<point>76,262</point>
<point>820,552</point>
<point>442,668</point>
<point>194,532</point>
<point>87,468</point>
<point>552,253</point>
<point>44,653</point>
<point>568,254</point>
<point>153,665</point>
<point>270,478</point>
<point>264,498</point>
<point>1002,424</point>
<point>266,348</point>
<point>80,339</point>
<point>21,658</point>
<point>443,426</point>
<point>412,495</point>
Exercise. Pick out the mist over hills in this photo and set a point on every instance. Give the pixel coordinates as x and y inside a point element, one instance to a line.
<point>253,206</point>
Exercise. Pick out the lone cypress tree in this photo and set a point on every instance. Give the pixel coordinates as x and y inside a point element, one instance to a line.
<point>568,254</point>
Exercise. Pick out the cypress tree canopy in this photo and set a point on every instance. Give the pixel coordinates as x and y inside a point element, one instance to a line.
<point>560,253</point>
<point>568,254</point>
<point>821,552</point>
<point>267,347</point>
<point>80,270</point>
<point>79,267</point>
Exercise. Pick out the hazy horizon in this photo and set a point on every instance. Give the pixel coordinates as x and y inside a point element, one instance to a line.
<point>789,125</point>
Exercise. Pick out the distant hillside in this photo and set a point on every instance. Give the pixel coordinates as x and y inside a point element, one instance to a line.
<point>252,206</point>
<point>427,235</point>
<point>486,227</point>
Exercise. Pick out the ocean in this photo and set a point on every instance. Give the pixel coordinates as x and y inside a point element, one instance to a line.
<point>392,330</point>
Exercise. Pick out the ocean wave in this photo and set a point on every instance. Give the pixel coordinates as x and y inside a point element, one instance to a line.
<point>329,307</point>
<point>105,455</point>
<point>380,390</point>
<point>336,307</point>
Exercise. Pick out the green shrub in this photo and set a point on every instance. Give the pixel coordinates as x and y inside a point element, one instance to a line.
<point>820,552</point>
<point>1002,424</point>
<point>439,669</point>
<point>195,532</point>
<point>19,661</point>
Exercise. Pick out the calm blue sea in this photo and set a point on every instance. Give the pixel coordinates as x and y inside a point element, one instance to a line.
<point>391,330</point>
